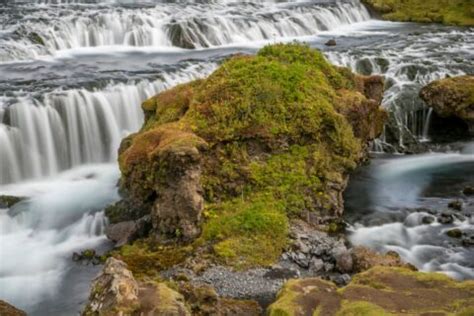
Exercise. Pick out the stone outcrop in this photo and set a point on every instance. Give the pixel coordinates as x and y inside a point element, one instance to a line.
<point>116,292</point>
<point>379,291</point>
<point>10,310</point>
<point>452,97</point>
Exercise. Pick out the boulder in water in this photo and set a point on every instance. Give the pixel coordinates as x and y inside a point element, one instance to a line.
<point>365,259</point>
<point>452,97</point>
<point>7,201</point>
<point>455,205</point>
<point>331,42</point>
<point>454,233</point>
<point>469,190</point>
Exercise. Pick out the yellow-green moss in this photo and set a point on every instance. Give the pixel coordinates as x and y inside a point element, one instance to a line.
<point>454,12</point>
<point>272,137</point>
<point>378,291</point>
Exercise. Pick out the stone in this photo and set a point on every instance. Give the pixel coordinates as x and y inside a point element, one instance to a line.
<point>365,259</point>
<point>8,201</point>
<point>427,220</point>
<point>125,232</point>
<point>454,233</point>
<point>344,262</point>
<point>316,265</point>
<point>10,310</point>
<point>452,97</point>
<point>115,289</point>
<point>279,272</point>
<point>331,42</point>
<point>455,205</point>
<point>468,241</point>
<point>468,191</point>
<point>446,218</point>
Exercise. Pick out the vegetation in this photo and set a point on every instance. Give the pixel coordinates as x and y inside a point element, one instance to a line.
<point>453,12</point>
<point>274,136</point>
<point>378,291</point>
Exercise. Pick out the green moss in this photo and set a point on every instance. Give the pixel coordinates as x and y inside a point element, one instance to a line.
<point>453,12</point>
<point>272,136</point>
<point>146,259</point>
<point>357,308</point>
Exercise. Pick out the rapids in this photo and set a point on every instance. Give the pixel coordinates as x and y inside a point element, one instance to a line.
<point>74,72</point>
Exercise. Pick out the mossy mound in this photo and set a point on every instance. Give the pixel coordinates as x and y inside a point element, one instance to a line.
<point>379,291</point>
<point>452,12</point>
<point>263,139</point>
<point>452,97</point>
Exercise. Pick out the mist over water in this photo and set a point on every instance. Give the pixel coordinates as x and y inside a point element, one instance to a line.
<point>73,76</point>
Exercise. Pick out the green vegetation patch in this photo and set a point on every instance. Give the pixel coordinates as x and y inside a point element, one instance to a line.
<point>452,12</point>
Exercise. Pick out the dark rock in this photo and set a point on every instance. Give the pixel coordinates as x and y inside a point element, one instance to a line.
<point>455,205</point>
<point>88,256</point>
<point>10,310</point>
<point>454,233</point>
<point>126,232</point>
<point>469,190</point>
<point>341,279</point>
<point>7,201</point>
<point>427,220</point>
<point>278,272</point>
<point>445,218</point>
<point>468,241</point>
<point>331,42</point>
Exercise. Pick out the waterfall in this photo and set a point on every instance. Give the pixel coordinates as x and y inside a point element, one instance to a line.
<point>172,25</point>
<point>63,129</point>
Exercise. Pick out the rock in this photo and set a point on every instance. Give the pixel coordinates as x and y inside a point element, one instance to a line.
<point>452,97</point>
<point>455,205</point>
<point>344,262</point>
<point>427,220</point>
<point>378,291</point>
<point>446,218</point>
<point>113,291</point>
<point>316,265</point>
<point>365,259</point>
<point>331,42</point>
<point>468,241</point>
<point>279,272</point>
<point>116,292</point>
<point>454,233</point>
<point>7,201</point>
<point>468,191</point>
<point>340,279</point>
<point>10,310</point>
<point>125,232</point>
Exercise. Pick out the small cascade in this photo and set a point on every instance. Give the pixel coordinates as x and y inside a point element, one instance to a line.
<point>63,129</point>
<point>173,25</point>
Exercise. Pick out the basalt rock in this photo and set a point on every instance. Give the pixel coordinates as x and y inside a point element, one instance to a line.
<point>379,291</point>
<point>10,310</point>
<point>452,97</point>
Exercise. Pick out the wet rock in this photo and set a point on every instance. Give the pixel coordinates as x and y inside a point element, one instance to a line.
<point>427,220</point>
<point>7,201</point>
<point>452,97</point>
<point>455,205</point>
<point>331,42</point>
<point>469,190</point>
<point>445,218</point>
<point>468,241</point>
<point>454,233</point>
<point>88,256</point>
<point>10,310</point>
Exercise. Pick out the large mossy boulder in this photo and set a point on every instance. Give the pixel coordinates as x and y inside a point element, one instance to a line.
<point>452,12</point>
<point>264,138</point>
<point>379,291</point>
<point>452,98</point>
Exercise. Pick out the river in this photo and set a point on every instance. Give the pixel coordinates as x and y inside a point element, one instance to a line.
<point>72,77</point>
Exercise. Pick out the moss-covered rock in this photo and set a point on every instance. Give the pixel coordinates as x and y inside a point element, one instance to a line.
<point>263,139</point>
<point>453,12</point>
<point>452,97</point>
<point>7,201</point>
<point>379,291</point>
<point>10,310</point>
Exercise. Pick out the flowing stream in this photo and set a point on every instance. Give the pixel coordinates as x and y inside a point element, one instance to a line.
<point>74,72</point>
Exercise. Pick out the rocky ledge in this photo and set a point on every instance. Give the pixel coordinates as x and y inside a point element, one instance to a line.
<point>452,98</point>
<point>452,12</point>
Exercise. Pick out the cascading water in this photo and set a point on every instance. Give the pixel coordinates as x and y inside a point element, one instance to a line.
<point>74,72</point>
